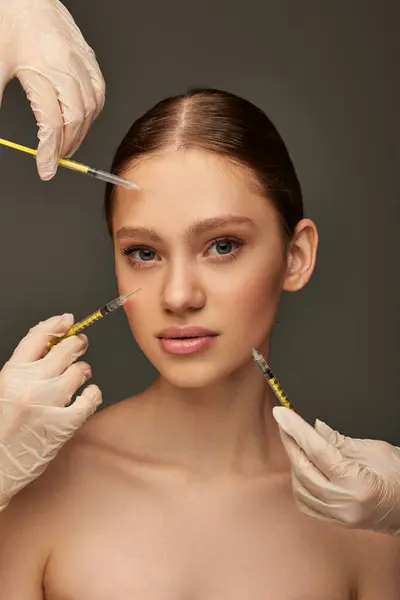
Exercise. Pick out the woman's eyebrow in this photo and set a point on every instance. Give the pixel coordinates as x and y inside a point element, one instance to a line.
<point>197,228</point>
<point>134,232</point>
<point>205,225</point>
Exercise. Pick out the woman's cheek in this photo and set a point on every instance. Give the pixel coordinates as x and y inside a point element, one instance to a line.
<point>135,316</point>
<point>260,292</point>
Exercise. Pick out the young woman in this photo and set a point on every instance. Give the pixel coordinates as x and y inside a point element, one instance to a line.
<point>184,490</point>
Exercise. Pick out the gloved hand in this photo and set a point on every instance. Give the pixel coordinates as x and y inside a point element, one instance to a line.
<point>35,388</point>
<point>41,45</point>
<point>351,482</point>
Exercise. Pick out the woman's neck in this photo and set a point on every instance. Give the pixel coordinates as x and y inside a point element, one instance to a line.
<point>225,428</point>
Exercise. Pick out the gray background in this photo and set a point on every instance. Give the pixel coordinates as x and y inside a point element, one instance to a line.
<point>327,73</point>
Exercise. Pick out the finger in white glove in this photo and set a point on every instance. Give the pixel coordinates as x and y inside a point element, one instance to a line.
<point>343,480</point>
<point>41,45</point>
<point>36,388</point>
<point>36,436</point>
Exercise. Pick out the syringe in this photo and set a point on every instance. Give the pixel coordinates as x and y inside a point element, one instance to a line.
<point>92,318</point>
<point>272,380</point>
<point>75,166</point>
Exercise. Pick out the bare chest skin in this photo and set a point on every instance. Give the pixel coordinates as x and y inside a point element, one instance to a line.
<point>127,536</point>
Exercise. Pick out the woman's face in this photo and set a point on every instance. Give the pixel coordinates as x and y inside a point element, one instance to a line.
<point>206,251</point>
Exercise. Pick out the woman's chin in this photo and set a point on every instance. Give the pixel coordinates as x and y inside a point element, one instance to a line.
<point>191,375</point>
<point>190,378</point>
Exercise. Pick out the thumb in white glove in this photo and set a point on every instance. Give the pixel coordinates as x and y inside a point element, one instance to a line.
<point>351,482</point>
<point>35,389</point>
<point>41,45</point>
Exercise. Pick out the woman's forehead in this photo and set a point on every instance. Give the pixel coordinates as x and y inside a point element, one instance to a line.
<point>188,167</point>
<point>188,185</point>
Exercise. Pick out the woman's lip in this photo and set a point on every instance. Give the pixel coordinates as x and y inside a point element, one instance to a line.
<point>187,345</point>
<point>188,331</point>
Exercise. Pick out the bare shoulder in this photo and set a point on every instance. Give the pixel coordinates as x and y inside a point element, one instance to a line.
<point>378,557</point>
<point>102,430</point>
<point>108,419</point>
<point>40,517</point>
<point>39,506</point>
<point>112,427</point>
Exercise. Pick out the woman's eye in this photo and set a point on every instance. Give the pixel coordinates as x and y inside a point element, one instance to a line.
<point>143,254</point>
<point>139,255</point>
<point>224,246</point>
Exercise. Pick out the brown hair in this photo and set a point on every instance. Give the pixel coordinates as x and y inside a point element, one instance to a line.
<point>222,123</point>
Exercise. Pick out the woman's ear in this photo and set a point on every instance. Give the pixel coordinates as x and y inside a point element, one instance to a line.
<point>301,256</point>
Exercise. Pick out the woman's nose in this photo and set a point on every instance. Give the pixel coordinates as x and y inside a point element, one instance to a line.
<point>182,290</point>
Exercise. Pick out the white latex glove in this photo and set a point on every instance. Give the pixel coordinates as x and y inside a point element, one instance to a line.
<point>41,45</point>
<point>347,481</point>
<point>35,388</point>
